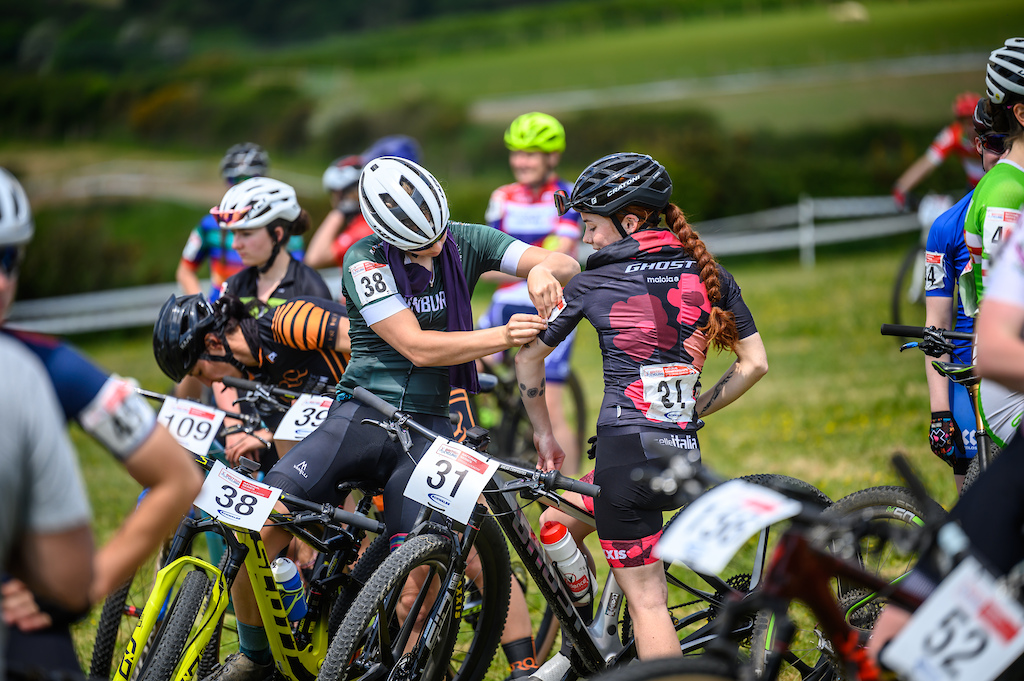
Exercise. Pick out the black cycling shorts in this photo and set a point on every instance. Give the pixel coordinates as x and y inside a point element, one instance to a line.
<point>343,449</point>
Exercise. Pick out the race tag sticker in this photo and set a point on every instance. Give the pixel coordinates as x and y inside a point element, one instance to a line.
<point>373,281</point>
<point>193,425</point>
<point>306,413</point>
<point>449,478</point>
<point>934,271</point>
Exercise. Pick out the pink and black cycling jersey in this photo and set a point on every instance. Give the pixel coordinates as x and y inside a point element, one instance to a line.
<point>955,140</point>
<point>644,296</point>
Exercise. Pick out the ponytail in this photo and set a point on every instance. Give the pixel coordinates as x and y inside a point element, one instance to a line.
<point>721,328</point>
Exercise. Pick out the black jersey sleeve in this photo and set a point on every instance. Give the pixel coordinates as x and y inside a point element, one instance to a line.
<point>732,300</point>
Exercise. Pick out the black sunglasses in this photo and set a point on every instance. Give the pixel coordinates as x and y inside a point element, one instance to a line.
<point>10,260</point>
<point>562,203</point>
<point>993,143</point>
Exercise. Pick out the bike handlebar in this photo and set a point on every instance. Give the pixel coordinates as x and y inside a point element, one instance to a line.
<point>550,479</point>
<point>918,332</point>
<point>253,386</point>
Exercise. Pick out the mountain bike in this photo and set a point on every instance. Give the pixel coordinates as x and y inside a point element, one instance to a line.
<point>935,343</point>
<point>379,638</point>
<point>180,640</point>
<point>819,549</point>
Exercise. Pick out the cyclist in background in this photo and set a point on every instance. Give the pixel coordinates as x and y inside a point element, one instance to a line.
<point>525,209</point>
<point>957,139</point>
<point>992,215</point>
<point>952,431</point>
<point>208,242</point>
<point>108,409</point>
<point>345,225</point>
<point>658,300</point>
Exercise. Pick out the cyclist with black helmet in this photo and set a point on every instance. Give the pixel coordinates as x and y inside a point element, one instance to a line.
<point>956,139</point>
<point>993,214</point>
<point>408,290</point>
<point>208,242</point>
<point>108,409</point>
<point>657,299</point>
<point>951,433</point>
<point>525,210</point>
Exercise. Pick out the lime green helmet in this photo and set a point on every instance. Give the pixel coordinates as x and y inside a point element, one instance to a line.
<point>535,132</point>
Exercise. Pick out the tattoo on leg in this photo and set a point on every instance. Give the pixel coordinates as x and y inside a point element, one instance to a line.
<point>716,392</point>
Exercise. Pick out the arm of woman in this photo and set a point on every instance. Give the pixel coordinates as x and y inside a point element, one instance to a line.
<point>424,348</point>
<point>546,273</point>
<point>530,373</point>
<point>938,313</point>
<point>750,365</point>
<point>1000,348</point>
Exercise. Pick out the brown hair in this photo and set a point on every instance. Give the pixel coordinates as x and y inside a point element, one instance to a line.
<point>721,328</point>
<point>296,227</point>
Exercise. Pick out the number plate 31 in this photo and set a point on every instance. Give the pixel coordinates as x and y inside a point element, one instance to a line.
<point>449,478</point>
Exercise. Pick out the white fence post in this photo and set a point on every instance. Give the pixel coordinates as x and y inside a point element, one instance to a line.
<point>805,213</point>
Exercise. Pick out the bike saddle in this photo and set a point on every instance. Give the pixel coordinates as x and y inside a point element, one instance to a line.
<point>958,373</point>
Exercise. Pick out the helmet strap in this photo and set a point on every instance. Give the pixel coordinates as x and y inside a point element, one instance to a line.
<point>618,226</point>
<point>227,357</point>
<point>265,267</point>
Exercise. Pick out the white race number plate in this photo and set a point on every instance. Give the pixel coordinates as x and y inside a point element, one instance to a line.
<point>449,478</point>
<point>709,532</point>
<point>306,413</point>
<point>193,425</point>
<point>235,499</point>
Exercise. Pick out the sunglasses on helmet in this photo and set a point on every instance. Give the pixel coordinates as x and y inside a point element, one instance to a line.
<point>10,260</point>
<point>993,143</point>
<point>562,203</point>
<point>226,218</point>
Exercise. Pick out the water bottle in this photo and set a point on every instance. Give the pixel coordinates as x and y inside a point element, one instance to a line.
<point>290,584</point>
<point>569,560</point>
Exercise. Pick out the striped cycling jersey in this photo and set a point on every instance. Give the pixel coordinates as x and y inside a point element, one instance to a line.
<point>296,346</point>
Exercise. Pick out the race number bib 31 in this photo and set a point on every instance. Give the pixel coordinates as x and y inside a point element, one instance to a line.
<point>669,389</point>
<point>193,425</point>
<point>709,532</point>
<point>373,281</point>
<point>449,478</point>
<point>967,629</point>
<point>305,414</point>
<point>235,499</point>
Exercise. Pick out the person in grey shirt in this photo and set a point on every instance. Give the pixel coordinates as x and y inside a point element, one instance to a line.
<point>45,539</point>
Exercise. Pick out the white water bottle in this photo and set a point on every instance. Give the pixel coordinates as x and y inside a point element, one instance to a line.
<point>569,560</point>
<point>290,585</point>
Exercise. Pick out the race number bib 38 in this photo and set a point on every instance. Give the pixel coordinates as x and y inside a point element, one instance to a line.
<point>449,478</point>
<point>709,532</point>
<point>669,389</point>
<point>305,414</point>
<point>193,425</point>
<point>373,281</point>
<point>967,629</point>
<point>235,499</point>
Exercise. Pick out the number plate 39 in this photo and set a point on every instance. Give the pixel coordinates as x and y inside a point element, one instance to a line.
<point>235,499</point>
<point>449,478</point>
<point>967,629</point>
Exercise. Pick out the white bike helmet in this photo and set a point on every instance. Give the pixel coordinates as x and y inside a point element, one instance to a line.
<point>403,203</point>
<point>16,226</point>
<point>1004,74</point>
<point>256,202</point>
<point>342,173</point>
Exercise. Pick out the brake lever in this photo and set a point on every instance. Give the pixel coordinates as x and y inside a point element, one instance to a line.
<point>396,433</point>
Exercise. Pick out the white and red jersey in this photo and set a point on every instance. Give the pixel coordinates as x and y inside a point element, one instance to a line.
<point>958,140</point>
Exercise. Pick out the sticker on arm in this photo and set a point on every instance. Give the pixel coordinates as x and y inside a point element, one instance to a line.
<point>934,271</point>
<point>373,281</point>
<point>118,417</point>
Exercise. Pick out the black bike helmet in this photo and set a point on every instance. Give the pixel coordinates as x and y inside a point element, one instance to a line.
<point>179,336</point>
<point>611,183</point>
<point>243,161</point>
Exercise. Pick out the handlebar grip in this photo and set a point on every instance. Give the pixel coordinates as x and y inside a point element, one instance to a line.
<point>903,330</point>
<point>573,485</point>
<point>357,520</point>
<point>240,383</point>
<point>371,400</point>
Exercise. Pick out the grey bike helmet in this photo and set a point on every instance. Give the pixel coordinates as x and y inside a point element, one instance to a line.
<point>618,180</point>
<point>243,161</point>
<point>1004,74</point>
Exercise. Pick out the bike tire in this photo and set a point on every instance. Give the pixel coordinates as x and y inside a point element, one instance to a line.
<point>173,635</point>
<point>974,468</point>
<point>361,572</point>
<point>907,286</point>
<point>878,504</point>
<point>701,668</point>
<point>107,631</point>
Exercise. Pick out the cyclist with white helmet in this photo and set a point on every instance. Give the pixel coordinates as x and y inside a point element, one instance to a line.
<point>952,429</point>
<point>207,241</point>
<point>109,410</point>
<point>993,213</point>
<point>956,139</point>
<point>525,209</point>
<point>408,290</point>
<point>658,301</point>
<point>261,214</point>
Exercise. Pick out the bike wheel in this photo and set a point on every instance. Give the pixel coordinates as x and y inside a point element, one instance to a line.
<point>908,291</point>
<point>700,668</point>
<point>361,572</point>
<point>516,431</point>
<point>809,654</point>
<point>693,613</point>
<point>170,640</point>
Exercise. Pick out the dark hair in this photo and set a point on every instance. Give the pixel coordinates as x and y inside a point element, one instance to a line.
<point>296,227</point>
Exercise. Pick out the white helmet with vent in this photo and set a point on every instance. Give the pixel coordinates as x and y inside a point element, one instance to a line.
<point>403,203</point>
<point>256,202</point>
<point>1004,75</point>
<point>16,226</point>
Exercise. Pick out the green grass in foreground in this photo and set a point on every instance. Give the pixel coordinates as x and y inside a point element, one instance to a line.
<point>838,400</point>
